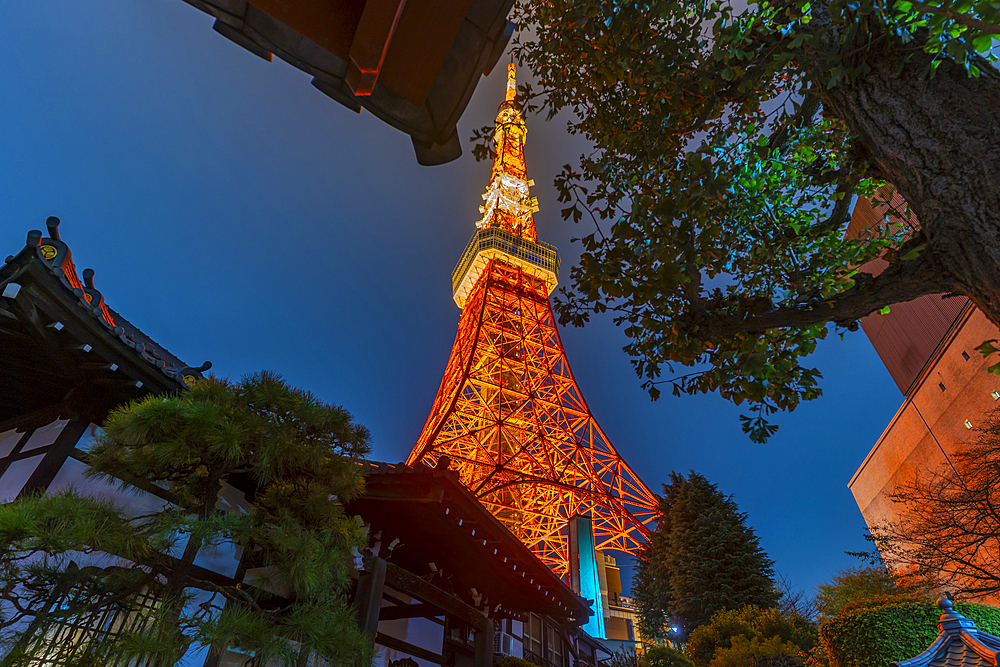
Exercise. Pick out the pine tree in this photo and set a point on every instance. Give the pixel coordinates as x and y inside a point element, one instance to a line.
<point>701,558</point>
<point>289,452</point>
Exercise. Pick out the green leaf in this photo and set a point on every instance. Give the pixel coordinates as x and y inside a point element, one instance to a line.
<point>986,348</point>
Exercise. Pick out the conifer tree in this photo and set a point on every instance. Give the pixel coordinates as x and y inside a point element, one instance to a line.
<point>292,456</point>
<point>701,558</point>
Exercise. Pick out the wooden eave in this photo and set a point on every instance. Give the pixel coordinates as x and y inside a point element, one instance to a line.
<point>413,64</point>
<point>437,520</point>
<point>58,348</point>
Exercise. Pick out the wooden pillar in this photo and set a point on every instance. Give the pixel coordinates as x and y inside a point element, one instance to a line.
<point>444,640</point>
<point>545,639</point>
<point>368,599</point>
<point>484,646</point>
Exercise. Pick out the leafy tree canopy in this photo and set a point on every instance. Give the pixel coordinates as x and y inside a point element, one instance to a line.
<point>729,143</point>
<point>863,583</point>
<point>289,451</point>
<point>701,558</point>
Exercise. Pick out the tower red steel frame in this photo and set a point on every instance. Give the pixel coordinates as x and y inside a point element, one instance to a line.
<point>508,414</point>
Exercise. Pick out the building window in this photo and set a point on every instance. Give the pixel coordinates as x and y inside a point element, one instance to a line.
<point>9,440</point>
<point>16,476</point>
<point>941,386</point>
<point>968,424</point>
<point>555,647</point>
<point>965,355</point>
<point>44,436</point>
<point>92,633</point>
<point>532,638</point>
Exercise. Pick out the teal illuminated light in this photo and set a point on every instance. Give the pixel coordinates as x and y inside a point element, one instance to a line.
<point>583,560</point>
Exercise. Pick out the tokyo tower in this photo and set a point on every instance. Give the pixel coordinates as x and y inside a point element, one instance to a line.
<point>508,415</point>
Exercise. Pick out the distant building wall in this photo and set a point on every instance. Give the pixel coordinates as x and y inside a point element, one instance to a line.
<point>929,347</point>
<point>954,392</point>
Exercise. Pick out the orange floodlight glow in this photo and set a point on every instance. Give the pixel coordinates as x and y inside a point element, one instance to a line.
<point>508,414</point>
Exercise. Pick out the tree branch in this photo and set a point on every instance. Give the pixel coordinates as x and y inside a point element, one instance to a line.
<point>958,17</point>
<point>897,284</point>
<point>843,206</point>
<point>808,108</point>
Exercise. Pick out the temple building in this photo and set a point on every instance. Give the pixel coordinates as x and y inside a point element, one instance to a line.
<point>67,359</point>
<point>929,347</point>
<point>441,580</point>
<point>498,537</point>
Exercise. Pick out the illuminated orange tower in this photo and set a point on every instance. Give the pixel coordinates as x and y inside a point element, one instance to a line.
<point>509,415</point>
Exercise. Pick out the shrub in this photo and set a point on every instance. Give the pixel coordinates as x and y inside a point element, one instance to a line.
<point>664,656</point>
<point>624,658</point>
<point>758,652</point>
<point>509,661</point>
<point>749,623</point>
<point>876,632</point>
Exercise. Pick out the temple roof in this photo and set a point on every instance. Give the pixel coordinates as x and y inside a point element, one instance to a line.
<point>423,513</point>
<point>960,644</point>
<point>412,64</point>
<point>63,344</point>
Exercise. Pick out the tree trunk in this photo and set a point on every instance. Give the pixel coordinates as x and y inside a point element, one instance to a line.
<point>938,141</point>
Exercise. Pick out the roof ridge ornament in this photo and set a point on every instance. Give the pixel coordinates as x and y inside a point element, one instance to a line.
<point>951,621</point>
<point>54,254</point>
<point>52,223</point>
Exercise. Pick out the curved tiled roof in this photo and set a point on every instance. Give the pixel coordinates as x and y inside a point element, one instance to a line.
<point>52,253</point>
<point>960,643</point>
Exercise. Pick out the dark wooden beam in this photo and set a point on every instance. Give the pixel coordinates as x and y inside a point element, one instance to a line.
<point>400,645</point>
<point>35,368</point>
<point>414,586</point>
<point>408,611</point>
<point>371,42</point>
<point>484,649</point>
<point>55,457</point>
<point>28,313</point>
<point>329,23</point>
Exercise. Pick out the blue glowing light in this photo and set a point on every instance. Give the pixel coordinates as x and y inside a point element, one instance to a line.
<point>590,583</point>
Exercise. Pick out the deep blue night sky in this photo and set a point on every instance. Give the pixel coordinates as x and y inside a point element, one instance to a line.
<point>236,214</point>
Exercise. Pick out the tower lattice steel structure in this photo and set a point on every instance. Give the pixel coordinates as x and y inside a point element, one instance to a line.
<point>508,414</point>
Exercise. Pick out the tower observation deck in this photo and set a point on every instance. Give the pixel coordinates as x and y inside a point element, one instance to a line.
<point>508,415</point>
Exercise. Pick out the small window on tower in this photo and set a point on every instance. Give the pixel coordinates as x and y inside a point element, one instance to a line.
<point>965,355</point>
<point>968,424</point>
<point>941,386</point>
